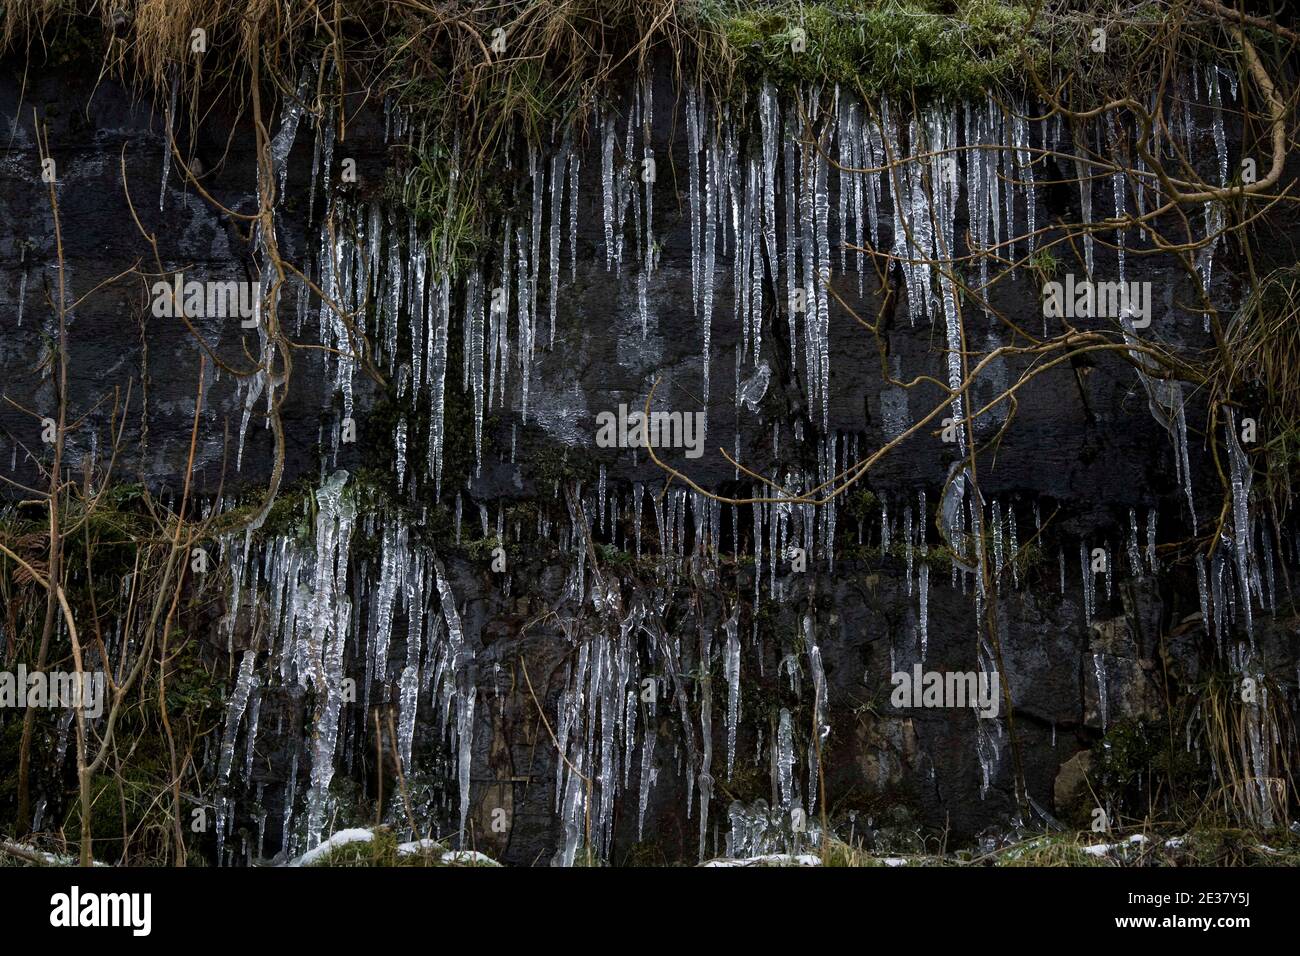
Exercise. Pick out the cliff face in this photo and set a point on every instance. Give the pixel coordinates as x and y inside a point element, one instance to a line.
<point>555,648</point>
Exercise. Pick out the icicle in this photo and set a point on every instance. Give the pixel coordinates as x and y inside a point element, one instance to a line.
<point>607,188</point>
<point>821,328</point>
<point>254,713</point>
<point>769,120</point>
<point>600,496</point>
<point>638,495</point>
<point>1117,188</point>
<point>693,136</point>
<point>992,160</point>
<point>441,314</point>
<point>648,774</point>
<point>923,596</point>
<point>1020,135</point>
<point>789,257</point>
<point>329,610</point>
<point>524,316</point>
<point>1110,572</point>
<point>167,143</point>
<point>1013,545</point>
<point>1134,554</point>
<point>399,447</point>
<point>1085,566</point>
<point>473,349</point>
<point>943,137</point>
<point>410,686</point>
<point>732,668</point>
<point>461,659</point>
<point>821,692</point>
<point>706,736</point>
<point>244,685</point>
<point>1099,671</point>
<point>1241,537</point>
<point>1216,122</point>
<point>1085,203</point>
<point>907,546</point>
<point>977,187</point>
<point>629,739</point>
<point>808,255</point>
<point>998,554</point>
<point>282,142</point>
<point>574,163</point>
<point>553,251</point>
<point>707,266</point>
<point>754,297</point>
<point>1268,562</point>
<point>783,753</point>
<point>22,299</point>
<point>650,255</point>
<point>1202,587</point>
<point>464,755</point>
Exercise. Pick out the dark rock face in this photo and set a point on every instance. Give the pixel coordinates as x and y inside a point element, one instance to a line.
<point>1083,451</point>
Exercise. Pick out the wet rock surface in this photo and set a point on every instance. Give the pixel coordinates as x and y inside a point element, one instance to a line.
<point>1083,451</point>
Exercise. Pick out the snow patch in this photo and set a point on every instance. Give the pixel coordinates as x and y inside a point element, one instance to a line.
<point>771,859</point>
<point>342,838</point>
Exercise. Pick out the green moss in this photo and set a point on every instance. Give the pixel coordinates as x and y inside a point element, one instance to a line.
<point>1138,761</point>
<point>77,42</point>
<point>1045,264</point>
<point>646,853</point>
<point>454,214</point>
<point>480,549</point>
<point>938,557</point>
<point>768,617</point>
<point>613,557</point>
<point>862,503</point>
<point>892,47</point>
<point>561,59</point>
<point>552,468</point>
<point>1055,849</point>
<point>837,853</point>
<point>1227,846</point>
<point>748,782</point>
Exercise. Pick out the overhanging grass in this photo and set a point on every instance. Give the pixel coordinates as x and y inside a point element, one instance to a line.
<point>559,57</point>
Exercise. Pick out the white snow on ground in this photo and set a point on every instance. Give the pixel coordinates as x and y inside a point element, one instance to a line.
<point>50,859</point>
<point>468,858</point>
<point>771,859</point>
<point>786,859</point>
<point>1102,849</point>
<point>342,838</point>
<point>361,835</point>
<point>449,857</point>
<point>417,846</point>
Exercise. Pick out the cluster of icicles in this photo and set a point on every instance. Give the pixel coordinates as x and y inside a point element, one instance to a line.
<point>332,620</point>
<point>767,209</point>
<point>315,604</point>
<point>761,206</point>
